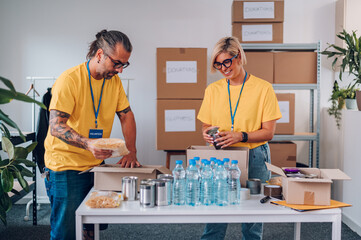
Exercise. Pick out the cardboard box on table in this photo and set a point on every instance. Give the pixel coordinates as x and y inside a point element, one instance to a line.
<point>233,153</point>
<point>258,11</point>
<point>260,64</point>
<point>283,154</point>
<point>286,102</point>
<point>309,191</point>
<point>108,177</point>
<point>181,73</point>
<point>258,32</point>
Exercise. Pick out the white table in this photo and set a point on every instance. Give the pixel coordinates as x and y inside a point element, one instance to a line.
<point>251,210</point>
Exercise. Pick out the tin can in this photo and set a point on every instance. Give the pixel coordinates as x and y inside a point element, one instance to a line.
<point>163,175</point>
<point>147,194</point>
<point>254,185</point>
<point>130,188</point>
<point>169,185</point>
<point>146,180</point>
<point>160,192</point>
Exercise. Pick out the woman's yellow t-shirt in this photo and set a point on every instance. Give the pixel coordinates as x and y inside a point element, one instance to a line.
<point>71,94</point>
<point>257,104</point>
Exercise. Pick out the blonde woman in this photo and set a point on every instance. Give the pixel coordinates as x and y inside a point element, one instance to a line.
<point>245,109</point>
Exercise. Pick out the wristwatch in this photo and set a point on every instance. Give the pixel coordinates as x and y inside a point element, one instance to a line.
<point>244,137</point>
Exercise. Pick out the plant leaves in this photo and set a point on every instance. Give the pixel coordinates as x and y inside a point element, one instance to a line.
<point>20,152</point>
<point>31,147</point>
<point>5,202</point>
<point>23,183</point>
<point>26,173</point>
<point>7,180</point>
<point>8,147</point>
<point>7,95</point>
<point>3,215</point>
<point>5,130</point>
<point>11,123</point>
<point>27,163</point>
<point>8,83</point>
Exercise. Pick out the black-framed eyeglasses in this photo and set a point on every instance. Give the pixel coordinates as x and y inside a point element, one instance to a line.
<point>118,64</point>
<point>227,63</point>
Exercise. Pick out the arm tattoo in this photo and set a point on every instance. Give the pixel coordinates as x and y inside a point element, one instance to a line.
<point>59,129</point>
<point>123,112</point>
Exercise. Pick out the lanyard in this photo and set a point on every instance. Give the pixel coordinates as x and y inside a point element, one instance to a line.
<point>96,112</point>
<point>230,104</point>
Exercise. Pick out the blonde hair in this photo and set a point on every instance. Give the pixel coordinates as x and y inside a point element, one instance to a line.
<point>229,45</point>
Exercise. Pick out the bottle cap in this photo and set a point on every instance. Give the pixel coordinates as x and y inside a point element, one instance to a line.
<point>234,162</point>
<point>196,158</point>
<point>192,162</point>
<point>179,162</point>
<point>225,159</point>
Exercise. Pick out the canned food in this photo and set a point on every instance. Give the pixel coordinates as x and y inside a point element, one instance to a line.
<point>130,188</point>
<point>147,194</point>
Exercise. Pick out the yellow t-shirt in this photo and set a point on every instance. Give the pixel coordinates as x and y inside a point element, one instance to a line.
<point>257,104</point>
<point>71,94</point>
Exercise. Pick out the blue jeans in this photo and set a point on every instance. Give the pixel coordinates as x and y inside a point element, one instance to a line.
<point>66,190</point>
<point>256,169</point>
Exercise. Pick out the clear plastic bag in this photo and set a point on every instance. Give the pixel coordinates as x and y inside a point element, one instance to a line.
<point>104,200</point>
<point>115,144</point>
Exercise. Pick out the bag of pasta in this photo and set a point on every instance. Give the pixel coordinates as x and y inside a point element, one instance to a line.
<point>104,200</point>
<point>117,146</point>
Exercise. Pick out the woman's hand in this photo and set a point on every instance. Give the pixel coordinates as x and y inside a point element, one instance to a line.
<point>227,139</point>
<point>208,138</point>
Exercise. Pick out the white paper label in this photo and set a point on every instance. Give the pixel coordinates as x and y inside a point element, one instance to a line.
<point>180,120</point>
<point>258,10</point>
<point>285,111</point>
<point>181,71</point>
<point>257,33</point>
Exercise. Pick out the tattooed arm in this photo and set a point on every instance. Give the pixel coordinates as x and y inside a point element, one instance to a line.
<point>61,130</point>
<point>127,121</point>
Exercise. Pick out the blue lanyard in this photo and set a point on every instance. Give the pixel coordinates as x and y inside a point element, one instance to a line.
<point>96,112</point>
<point>230,104</point>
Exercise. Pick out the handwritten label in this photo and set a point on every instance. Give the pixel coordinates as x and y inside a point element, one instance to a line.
<point>285,111</point>
<point>257,33</point>
<point>181,71</point>
<point>180,120</point>
<point>256,10</point>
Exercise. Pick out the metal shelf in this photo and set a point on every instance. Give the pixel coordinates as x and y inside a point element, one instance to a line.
<point>314,126</point>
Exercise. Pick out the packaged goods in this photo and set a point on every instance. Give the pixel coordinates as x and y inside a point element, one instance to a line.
<point>104,200</point>
<point>116,145</point>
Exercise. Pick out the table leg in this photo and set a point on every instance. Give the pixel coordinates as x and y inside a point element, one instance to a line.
<point>78,227</point>
<point>96,231</point>
<point>336,228</point>
<point>297,231</point>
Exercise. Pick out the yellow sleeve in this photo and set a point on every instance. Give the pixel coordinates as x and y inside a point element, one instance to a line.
<point>63,97</point>
<point>205,115</point>
<point>271,109</point>
<point>123,102</point>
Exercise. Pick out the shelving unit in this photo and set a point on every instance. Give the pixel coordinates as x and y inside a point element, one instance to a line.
<point>314,126</point>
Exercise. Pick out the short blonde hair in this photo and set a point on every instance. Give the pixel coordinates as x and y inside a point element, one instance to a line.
<point>229,45</point>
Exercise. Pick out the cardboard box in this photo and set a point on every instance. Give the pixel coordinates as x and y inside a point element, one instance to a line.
<point>295,67</point>
<point>233,153</point>
<point>286,125</point>
<point>177,124</point>
<point>258,32</point>
<point>260,64</point>
<point>309,191</point>
<point>258,11</point>
<point>181,73</point>
<point>108,177</point>
<point>283,154</point>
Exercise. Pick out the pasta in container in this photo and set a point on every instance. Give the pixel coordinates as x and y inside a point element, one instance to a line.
<point>115,144</point>
<point>104,200</point>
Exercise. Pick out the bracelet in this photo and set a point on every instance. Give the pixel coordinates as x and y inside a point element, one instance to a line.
<point>244,137</point>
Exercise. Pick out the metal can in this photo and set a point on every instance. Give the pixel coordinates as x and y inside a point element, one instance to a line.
<point>160,192</point>
<point>147,194</point>
<point>159,176</point>
<point>130,188</point>
<point>146,180</point>
<point>169,185</point>
<point>254,185</point>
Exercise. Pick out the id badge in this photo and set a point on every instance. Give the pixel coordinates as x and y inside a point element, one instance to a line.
<point>95,133</point>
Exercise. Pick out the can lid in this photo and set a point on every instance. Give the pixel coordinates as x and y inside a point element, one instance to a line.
<point>159,182</point>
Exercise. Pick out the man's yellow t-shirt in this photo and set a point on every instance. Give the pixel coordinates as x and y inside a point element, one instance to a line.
<point>257,104</point>
<point>71,94</point>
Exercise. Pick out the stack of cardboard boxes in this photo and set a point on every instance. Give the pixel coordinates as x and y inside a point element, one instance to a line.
<point>258,21</point>
<point>181,82</point>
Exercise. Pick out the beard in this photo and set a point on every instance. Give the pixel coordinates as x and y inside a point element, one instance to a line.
<point>109,75</point>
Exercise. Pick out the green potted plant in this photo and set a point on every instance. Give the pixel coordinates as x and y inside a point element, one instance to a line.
<point>348,59</point>
<point>13,167</point>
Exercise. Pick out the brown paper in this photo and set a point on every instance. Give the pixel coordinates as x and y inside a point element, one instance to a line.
<point>309,198</point>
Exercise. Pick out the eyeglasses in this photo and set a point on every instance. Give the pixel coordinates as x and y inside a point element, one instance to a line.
<point>117,63</point>
<point>227,63</point>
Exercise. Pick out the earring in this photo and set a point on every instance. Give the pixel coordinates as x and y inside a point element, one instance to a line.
<point>98,61</point>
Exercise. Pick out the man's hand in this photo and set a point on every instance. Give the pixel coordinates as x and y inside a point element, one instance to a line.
<point>99,153</point>
<point>129,160</point>
<point>228,138</point>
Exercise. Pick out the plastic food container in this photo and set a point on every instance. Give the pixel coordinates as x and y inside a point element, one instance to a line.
<point>104,199</point>
<point>115,144</point>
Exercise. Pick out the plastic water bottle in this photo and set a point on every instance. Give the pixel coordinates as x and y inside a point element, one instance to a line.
<point>202,164</point>
<point>213,162</point>
<point>192,184</point>
<point>226,163</point>
<point>234,183</point>
<point>207,185</point>
<point>179,182</point>
<point>221,186</point>
<point>198,163</point>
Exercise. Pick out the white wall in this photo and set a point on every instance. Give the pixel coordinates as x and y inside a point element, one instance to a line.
<point>44,38</point>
